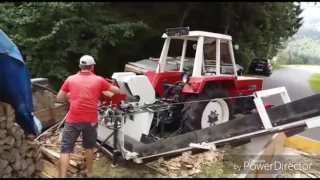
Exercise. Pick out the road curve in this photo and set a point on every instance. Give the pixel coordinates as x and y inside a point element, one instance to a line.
<point>295,79</point>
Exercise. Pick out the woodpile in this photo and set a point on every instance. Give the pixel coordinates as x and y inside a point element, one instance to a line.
<point>19,157</point>
<point>50,147</point>
<point>46,109</point>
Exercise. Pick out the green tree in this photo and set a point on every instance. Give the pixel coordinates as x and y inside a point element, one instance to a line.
<point>54,35</point>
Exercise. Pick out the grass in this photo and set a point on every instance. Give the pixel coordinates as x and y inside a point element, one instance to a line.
<point>278,66</point>
<point>314,82</point>
<point>303,65</point>
<point>102,168</point>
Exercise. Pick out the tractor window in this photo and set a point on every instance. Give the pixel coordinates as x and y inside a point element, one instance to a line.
<point>225,58</point>
<point>210,53</point>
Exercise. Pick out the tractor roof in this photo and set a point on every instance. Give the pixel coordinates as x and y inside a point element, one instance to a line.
<point>193,36</point>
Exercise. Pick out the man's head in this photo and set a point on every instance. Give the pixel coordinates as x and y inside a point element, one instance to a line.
<point>87,63</point>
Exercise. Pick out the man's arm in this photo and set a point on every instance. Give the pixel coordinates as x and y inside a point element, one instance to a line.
<point>107,88</point>
<point>64,94</point>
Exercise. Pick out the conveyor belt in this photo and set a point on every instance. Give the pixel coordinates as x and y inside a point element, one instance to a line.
<point>284,114</point>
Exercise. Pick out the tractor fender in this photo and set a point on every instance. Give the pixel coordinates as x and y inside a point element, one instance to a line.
<point>197,84</point>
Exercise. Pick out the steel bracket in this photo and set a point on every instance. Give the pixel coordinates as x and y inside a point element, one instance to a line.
<point>260,106</point>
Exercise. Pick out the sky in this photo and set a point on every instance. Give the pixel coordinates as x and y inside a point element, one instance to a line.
<point>310,11</point>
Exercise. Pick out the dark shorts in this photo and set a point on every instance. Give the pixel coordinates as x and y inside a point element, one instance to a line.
<point>71,132</point>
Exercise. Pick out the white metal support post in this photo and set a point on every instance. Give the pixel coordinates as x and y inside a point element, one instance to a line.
<point>183,54</point>
<point>199,58</point>
<point>232,58</point>
<point>260,106</point>
<point>163,56</point>
<point>218,57</point>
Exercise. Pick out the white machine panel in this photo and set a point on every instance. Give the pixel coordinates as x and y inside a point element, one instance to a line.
<point>138,86</point>
<point>141,86</point>
<point>120,75</point>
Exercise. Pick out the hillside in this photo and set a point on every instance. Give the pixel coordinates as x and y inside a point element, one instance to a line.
<point>304,46</point>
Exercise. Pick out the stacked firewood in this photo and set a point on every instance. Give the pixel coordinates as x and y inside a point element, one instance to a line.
<point>19,157</point>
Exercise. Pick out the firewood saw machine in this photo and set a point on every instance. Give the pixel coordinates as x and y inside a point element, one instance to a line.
<point>166,113</point>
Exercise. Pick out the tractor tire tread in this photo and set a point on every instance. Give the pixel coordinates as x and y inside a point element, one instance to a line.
<point>192,112</point>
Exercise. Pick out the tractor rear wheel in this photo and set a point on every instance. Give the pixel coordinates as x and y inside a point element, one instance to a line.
<point>199,115</point>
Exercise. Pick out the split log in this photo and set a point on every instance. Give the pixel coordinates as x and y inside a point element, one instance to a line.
<point>51,169</point>
<point>19,157</point>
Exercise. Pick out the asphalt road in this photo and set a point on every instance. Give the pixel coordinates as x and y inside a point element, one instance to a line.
<point>295,79</point>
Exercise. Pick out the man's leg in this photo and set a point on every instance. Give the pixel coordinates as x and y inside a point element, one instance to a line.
<point>89,138</point>
<point>70,135</point>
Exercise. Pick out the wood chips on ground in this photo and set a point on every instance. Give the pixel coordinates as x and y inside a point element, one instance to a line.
<point>186,165</point>
<point>51,140</point>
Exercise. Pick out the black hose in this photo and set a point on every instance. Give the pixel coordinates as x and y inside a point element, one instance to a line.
<point>169,89</point>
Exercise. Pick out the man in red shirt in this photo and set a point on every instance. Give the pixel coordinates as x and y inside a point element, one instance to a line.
<point>84,90</point>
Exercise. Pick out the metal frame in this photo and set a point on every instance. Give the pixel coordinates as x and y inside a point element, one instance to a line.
<point>268,129</point>
<point>201,37</point>
<point>260,106</point>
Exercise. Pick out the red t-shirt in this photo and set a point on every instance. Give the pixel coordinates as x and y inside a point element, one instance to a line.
<point>85,89</point>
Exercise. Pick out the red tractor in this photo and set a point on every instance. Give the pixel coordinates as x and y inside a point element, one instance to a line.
<point>167,112</point>
<point>162,104</point>
<point>211,79</point>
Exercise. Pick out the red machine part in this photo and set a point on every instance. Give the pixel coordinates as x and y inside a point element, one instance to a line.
<point>266,105</point>
<point>115,99</point>
<point>157,79</point>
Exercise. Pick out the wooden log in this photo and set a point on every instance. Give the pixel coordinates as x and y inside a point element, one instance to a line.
<point>13,130</point>
<point>7,170</point>
<point>31,169</point>
<point>7,140</point>
<point>24,164</point>
<point>10,118</point>
<point>52,170</point>
<point>8,111</point>
<point>16,166</point>
<point>4,155</point>
<point>9,125</point>
<point>3,163</point>
<point>44,175</point>
<point>2,118</point>
<point>17,143</point>
<point>56,155</point>
<point>3,133</point>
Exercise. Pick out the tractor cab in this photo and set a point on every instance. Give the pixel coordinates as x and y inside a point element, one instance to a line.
<point>213,61</point>
<point>212,52</point>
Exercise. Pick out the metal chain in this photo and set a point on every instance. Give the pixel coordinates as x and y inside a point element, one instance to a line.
<point>189,102</point>
<point>148,108</point>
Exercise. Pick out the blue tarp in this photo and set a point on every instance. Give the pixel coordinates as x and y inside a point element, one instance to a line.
<point>15,85</point>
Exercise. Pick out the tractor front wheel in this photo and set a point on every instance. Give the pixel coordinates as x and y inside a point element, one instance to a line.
<point>209,108</point>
